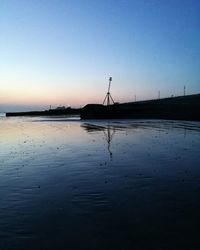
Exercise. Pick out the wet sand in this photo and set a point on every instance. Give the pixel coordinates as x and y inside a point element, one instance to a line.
<point>128,184</point>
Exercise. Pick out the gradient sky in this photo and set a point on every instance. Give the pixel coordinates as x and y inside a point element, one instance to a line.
<point>62,52</point>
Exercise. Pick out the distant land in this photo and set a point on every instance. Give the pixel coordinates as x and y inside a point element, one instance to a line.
<point>57,111</point>
<point>173,108</point>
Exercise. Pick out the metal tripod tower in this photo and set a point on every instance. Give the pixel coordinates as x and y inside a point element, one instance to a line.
<point>108,98</point>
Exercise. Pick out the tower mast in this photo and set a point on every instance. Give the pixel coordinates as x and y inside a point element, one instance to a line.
<point>108,98</point>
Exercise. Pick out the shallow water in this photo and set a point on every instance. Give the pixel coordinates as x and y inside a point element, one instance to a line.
<point>118,184</point>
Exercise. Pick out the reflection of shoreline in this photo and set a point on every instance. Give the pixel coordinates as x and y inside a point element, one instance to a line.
<point>108,132</point>
<point>162,126</point>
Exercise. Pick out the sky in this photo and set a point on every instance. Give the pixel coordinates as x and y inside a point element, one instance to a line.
<point>62,52</point>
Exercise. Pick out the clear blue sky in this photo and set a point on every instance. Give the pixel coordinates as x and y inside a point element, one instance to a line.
<point>62,52</point>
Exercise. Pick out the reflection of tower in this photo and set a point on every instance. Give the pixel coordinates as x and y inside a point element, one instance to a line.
<point>109,133</point>
<point>108,96</point>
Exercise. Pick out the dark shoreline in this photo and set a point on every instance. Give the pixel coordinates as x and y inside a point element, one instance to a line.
<point>51,112</point>
<point>173,108</point>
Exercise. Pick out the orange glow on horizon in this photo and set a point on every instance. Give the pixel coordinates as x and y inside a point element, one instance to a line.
<point>56,97</point>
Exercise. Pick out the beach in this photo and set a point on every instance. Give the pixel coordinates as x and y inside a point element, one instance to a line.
<point>111,184</point>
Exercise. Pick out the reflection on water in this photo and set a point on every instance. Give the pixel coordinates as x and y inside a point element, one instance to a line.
<point>108,132</point>
<point>99,184</point>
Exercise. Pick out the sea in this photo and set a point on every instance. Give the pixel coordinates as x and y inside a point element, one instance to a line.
<point>67,183</point>
<point>2,114</point>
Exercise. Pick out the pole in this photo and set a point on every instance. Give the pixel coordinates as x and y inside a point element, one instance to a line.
<point>110,79</point>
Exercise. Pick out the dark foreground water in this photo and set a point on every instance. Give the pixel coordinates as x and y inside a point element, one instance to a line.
<point>99,185</point>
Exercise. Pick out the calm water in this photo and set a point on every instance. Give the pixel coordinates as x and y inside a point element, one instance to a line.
<point>69,184</point>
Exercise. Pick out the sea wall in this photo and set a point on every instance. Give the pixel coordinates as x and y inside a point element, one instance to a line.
<point>176,108</point>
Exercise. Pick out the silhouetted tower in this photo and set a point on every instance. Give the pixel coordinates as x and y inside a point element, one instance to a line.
<point>108,98</point>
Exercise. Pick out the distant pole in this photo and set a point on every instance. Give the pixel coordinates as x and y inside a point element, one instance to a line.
<point>135,98</point>
<point>159,94</point>
<point>184,90</point>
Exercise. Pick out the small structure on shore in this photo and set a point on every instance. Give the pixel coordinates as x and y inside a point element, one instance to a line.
<point>61,108</point>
